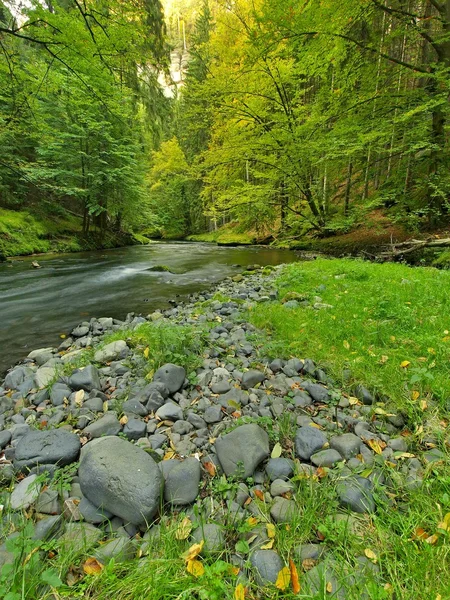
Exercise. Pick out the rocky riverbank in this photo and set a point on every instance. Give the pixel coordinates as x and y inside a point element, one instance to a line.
<point>226,448</point>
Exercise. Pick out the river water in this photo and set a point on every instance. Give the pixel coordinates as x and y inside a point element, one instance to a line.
<point>37,305</point>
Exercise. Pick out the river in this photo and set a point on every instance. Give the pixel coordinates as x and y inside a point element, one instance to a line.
<point>38,305</point>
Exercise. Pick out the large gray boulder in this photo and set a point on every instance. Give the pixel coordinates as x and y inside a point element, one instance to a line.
<point>86,379</point>
<point>182,480</point>
<point>54,447</point>
<point>172,376</point>
<point>107,425</point>
<point>241,451</point>
<point>121,478</point>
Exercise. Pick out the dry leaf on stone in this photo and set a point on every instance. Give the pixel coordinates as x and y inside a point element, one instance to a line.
<point>283,579</point>
<point>371,555</point>
<point>184,529</point>
<point>210,467</point>
<point>195,567</point>
<point>268,546</point>
<point>92,566</point>
<point>271,530</point>
<point>277,450</point>
<point>123,420</point>
<point>252,521</point>
<point>79,397</point>
<point>376,445</point>
<point>259,494</point>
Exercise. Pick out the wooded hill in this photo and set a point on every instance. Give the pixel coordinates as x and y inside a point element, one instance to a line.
<point>292,117</point>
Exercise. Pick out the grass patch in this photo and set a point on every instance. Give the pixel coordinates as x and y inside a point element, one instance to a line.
<point>225,236</point>
<point>388,324</point>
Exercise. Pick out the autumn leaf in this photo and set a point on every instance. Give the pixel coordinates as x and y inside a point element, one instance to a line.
<point>371,555</point>
<point>277,450</point>
<point>432,539</point>
<point>415,395</point>
<point>405,364</point>
<point>346,345</point>
<point>92,566</point>
<point>79,397</point>
<point>146,352</point>
<point>210,467</point>
<point>308,564</point>
<point>239,592</point>
<point>268,546</point>
<point>168,455</point>
<point>271,530</point>
<point>294,577</point>
<point>184,529</point>
<point>195,567</point>
<point>123,420</point>
<point>283,579</point>
<point>193,551</point>
<point>445,524</point>
<point>423,405</point>
<point>329,587</point>
<point>376,445</point>
<point>259,494</point>
<point>252,521</point>
<point>419,534</point>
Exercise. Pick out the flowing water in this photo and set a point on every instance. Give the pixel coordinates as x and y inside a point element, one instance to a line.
<point>37,305</point>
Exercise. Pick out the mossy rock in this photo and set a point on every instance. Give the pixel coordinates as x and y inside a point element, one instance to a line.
<point>238,278</point>
<point>294,296</point>
<point>160,269</point>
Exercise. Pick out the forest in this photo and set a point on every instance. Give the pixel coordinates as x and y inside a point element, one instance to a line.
<point>287,119</point>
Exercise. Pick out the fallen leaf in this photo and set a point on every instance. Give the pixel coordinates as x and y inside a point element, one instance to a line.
<point>419,534</point>
<point>239,592</point>
<point>195,567</point>
<point>123,420</point>
<point>294,577</point>
<point>92,566</point>
<point>376,445</point>
<point>432,539</point>
<point>405,364</point>
<point>321,472</point>
<point>277,450</point>
<point>268,546</point>
<point>353,401</point>
<point>316,425</point>
<point>259,494</point>
<point>146,352</point>
<point>271,530</point>
<point>252,521</point>
<point>371,555</point>
<point>168,455</point>
<point>210,467</point>
<point>79,397</point>
<point>329,587</point>
<point>415,395</point>
<point>283,579</point>
<point>423,405</point>
<point>184,529</point>
<point>63,336</point>
<point>384,359</point>
<point>193,551</point>
<point>398,455</point>
<point>346,345</point>
<point>308,564</point>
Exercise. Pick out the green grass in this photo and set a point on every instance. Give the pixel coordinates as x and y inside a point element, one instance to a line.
<point>225,236</point>
<point>381,316</point>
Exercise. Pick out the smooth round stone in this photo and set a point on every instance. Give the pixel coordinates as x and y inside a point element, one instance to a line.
<point>326,458</point>
<point>267,564</point>
<point>213,536</point>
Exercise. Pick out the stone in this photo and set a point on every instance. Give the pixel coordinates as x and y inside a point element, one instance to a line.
<point>242,450</point>
<point>60,392</point>
<point>91,513</point>
<point>86,379</point>
<point>398,444</point>
<point>326,458</point>
<point>79,537</point>
<point>44,376</point>
<point>308,440</point>
<point>318,392</point>
<point>213,537</point>
<point>347,445</point>
<point>283,510</point>
<point>279,468</point>
<point>25,493</point>
<point>309,551</point>
<point>134,407</point>
<point>80,331</point>
<point>53,447</point>
<point>280,487</point>
<point>121,478</point>
<point>182,480</point>
<point>267,564</point>
<point>252,378</point>
<point>106,425</point>
<point>364,395</point>
<point>135,429</point>
<point>5,438</point>
<point>171,376</point>
<point>113,351</point>
<point>170,411</point>
<point>355,493</point>
<point>213,414</point>
<point>48,502</point>
<point>121,549</point>
<point>47,528</point>
<point>71,512</point>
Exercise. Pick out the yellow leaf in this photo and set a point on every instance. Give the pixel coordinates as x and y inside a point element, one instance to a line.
<point>316,425</point>
<point>239,592</point>
<point>353,401</point>
<point>277,450</point>
<point>405,364</point>
<point>384,359</point>
<point>376,445</point>
<point>371,555</point>
<point>146,352</point>
<point>195,567</point>
<point>415,395</point>
<point>92,566</point>
<point>432,539</point>
<point>346,345</point>
<point>63,336</point>
<point>268,546</point>
<point>252,521</point>
<point>271,530</point>
<point>423,405</point>
<point>283,579</point>
<point>193,551</point>
<point>79,397</point>
<point>124,420</point>
<point>184,529</point>
<point>168,455</point>
<point>329,587</point>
